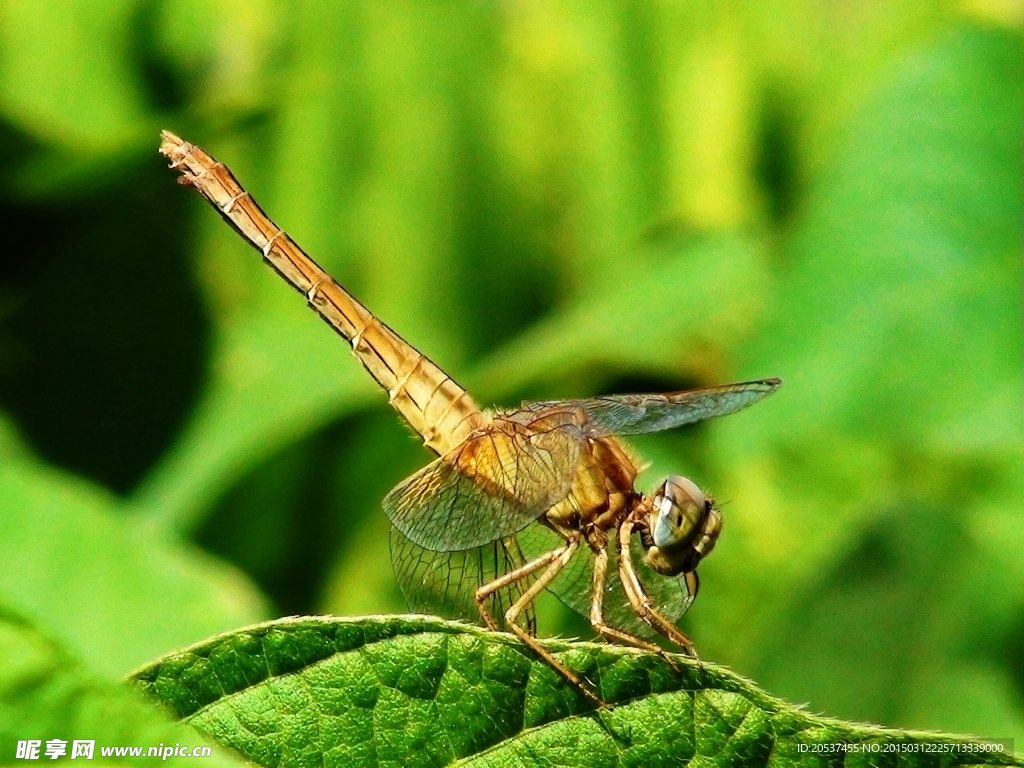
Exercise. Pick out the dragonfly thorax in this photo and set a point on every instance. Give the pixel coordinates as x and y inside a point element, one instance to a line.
<point>682,527</point>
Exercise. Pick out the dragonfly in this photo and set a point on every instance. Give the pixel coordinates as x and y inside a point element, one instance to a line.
<point>518,500</point>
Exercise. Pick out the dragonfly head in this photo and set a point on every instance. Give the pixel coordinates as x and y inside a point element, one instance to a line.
<point>682,527</point>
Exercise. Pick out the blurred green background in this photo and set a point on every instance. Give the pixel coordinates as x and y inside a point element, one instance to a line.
<point>550,200</point>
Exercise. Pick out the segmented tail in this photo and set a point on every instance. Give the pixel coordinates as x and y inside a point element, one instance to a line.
<point>431,402</point>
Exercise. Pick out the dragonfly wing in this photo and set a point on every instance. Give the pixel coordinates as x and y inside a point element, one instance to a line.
<point>670,595</point>
<point>445,583</point>
<point>638,414</point>
<point>495,483</point>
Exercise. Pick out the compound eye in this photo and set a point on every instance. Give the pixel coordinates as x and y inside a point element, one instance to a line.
<point>679,511</point>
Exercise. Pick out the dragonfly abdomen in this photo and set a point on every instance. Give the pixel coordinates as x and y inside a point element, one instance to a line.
<point>430,401</point>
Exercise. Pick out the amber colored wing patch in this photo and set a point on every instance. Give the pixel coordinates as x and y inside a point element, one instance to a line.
<point>495,483</point>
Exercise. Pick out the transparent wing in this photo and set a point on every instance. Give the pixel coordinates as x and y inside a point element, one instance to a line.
<point>637,414</point>
<point>495,483</point>
<point>445,583</point>
<point>670,595</point>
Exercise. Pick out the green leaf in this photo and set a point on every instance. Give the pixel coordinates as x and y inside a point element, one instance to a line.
<point>46,694</point>
<point>418,691</point>
<point>109,586</point>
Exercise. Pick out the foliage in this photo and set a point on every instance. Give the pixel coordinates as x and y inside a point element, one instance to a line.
<point>550,201</point>
<point>423,692</point>
<point>45,694</point>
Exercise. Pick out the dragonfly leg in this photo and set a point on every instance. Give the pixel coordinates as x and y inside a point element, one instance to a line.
<point>553,562</point>
<point>597,614</point>
<point>560,559</point>
<point>511,577</point>
<point>639,600</point>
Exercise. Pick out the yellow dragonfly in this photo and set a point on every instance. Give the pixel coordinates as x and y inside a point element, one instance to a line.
<point>518,500</point>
